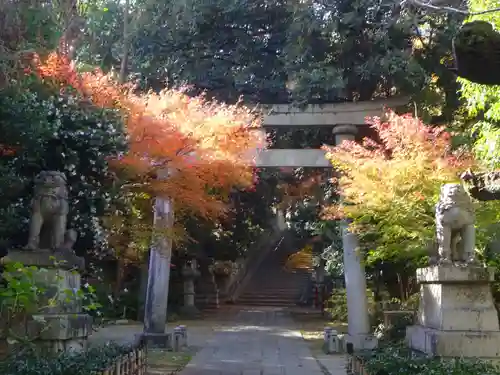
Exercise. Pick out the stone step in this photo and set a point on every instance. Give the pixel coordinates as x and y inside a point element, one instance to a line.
<point>273,272</point>
<point>267,303</point>
<point>273,275</point>
<point>267,298</point>
<point>278,283</point>
<point>271,292</point>
<point>283,280</point>
<point>282,269</point>
<point>275,287</point>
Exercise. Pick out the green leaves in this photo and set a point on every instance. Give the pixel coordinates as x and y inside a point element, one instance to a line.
<point>393,360</point>
<point>93,361</point>
<point>23,297</point>
<point>51,130</point>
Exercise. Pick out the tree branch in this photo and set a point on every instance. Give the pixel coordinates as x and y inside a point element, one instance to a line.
<point>483,186</point>
<point>430,5</point>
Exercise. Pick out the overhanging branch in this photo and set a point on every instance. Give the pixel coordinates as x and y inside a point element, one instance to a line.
<point>484,186</point>
<point>439,8</point>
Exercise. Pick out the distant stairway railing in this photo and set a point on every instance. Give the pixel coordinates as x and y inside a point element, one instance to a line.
<point>268,241</point>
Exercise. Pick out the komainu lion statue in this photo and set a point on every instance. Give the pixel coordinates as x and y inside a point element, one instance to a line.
<point>455,225</point>
<point>49,211</point>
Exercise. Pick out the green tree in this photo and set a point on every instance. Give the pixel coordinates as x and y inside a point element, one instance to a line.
<point>483,101</point>
<point>46,130</point>
<point>391,187</point>
<point>274,52</point>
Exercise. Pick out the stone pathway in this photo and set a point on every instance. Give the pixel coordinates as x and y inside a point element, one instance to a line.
<point>260,342</point>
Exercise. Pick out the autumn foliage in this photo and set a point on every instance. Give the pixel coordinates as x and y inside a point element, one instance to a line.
<point>207,147</point>
<point>390,186</point>
<point>301,260</point>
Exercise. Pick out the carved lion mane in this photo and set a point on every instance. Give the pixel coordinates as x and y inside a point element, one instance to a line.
<point>454,195</point>
<point>455,231</point>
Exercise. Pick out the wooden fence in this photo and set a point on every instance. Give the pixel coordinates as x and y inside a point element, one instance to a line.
<point>132,363</point>
<point>356,366</point>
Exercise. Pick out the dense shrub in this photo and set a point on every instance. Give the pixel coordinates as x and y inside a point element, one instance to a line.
<point>399,360</point>
<point>90,362</point>
<point>44,129</point>
<point>337,305</point>
<point>396,330</point>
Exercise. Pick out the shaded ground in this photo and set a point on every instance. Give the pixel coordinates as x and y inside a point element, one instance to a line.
<point>242,341</point>
<point>312,325</point>
<point>260,341</point>
<point>163,362</point>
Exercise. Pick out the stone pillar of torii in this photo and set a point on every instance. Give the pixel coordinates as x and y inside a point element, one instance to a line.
<point>346,118</point>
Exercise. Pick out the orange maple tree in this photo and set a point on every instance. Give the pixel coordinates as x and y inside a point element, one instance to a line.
<point>390,185</point>
<point>208,147</point>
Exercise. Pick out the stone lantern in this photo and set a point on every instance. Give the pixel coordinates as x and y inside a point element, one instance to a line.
<point>189,274</point>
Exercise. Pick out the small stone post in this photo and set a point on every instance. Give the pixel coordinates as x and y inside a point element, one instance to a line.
<point>326,339</point>
<point>359,333</point>
<point>184,335</point>
<point>190,273</point>
<point>155,309</point>
<point>177,339</point>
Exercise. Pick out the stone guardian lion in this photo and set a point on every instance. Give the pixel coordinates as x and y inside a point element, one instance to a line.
<point>49,211</point>
<point>455,225</point>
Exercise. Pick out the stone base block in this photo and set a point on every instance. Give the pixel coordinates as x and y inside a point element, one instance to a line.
<point>361,342</point>
<point>55,333</point>
<point>467,344</point>
<point>61,327</point>
<point>56,346</point>
<point>190,312</point>
<point>455,274</point>
<point>157,340</point>
<point>456,298</point>
<point>64,259</point>
<point>56,274</point>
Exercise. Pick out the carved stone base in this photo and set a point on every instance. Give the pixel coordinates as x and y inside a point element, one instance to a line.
<point>457,315</point>
<point>361,342</point>
<point>62,259</point>
<point>456,298</point>
<point>61,332</point>
<point>56,277</point>
<point>190,312</point>
<point>467,344</point>
<point>59,325</point>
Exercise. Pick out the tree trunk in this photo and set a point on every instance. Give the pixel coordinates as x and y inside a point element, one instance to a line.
<point>120,273</point>
<point>126,42</point>
<point>143,286</point>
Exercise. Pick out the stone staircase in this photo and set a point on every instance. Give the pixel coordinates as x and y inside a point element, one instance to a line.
<point>274,286</point>
<point>209,300</point>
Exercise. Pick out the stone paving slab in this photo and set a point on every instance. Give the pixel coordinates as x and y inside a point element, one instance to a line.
<point>258,342</point>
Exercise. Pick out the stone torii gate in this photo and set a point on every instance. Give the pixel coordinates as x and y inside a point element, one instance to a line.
<point>348,120</point>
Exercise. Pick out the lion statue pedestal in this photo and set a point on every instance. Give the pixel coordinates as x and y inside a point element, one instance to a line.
<point>457,315</point>
<point>62,325</point>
